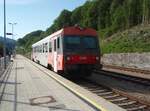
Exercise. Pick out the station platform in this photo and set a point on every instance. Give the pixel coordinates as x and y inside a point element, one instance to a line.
<point>27,86</point>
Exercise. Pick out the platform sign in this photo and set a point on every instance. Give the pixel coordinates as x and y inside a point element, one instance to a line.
<point>9,33</point>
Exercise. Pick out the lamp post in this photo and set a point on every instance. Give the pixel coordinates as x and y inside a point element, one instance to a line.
<point>12,33</point>
<point>12,24</point>
<point>4,46</point>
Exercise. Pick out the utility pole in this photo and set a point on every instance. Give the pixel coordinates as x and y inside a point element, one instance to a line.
<point>4,42</point>
<point>12,33</point>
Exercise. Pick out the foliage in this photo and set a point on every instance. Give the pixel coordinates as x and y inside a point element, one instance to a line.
<point>136,39</point>
<point>10,45</point>
<point>106,16</point>
<point>26,42</point>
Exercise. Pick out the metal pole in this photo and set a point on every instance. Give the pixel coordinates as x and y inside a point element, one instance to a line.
<point>12,31</point>
<point>12,24</point>
<point>4,43</point>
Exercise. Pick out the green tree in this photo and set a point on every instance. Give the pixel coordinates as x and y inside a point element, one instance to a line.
<point>84,11</point>
<point>62,20</point>
<point>76,16</point>
<point>103,13</point>
<point>135,12</point>
<point>118,19</point>
<point>146,12</point>
<point>92,15</point>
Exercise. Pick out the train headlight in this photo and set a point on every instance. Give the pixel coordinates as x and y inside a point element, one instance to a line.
<point>97,58</point>
<point>68,58</point>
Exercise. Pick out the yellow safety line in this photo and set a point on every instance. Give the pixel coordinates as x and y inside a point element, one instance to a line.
<point>77,93</point>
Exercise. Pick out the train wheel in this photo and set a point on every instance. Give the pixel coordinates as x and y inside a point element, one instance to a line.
<point>32,59</point>
<point>87,73</point>
<point>49,67</point>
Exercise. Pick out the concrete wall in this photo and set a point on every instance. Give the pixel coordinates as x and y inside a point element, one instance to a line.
<point>136,60</point>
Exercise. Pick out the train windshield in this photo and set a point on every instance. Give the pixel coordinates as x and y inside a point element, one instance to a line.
<point>80,43</point>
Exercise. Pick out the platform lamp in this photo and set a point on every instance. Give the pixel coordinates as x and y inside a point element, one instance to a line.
<point>12,33</point>
<point>12,24</point>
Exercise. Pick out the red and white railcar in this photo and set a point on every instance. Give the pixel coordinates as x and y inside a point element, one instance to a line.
<point>68,50</point>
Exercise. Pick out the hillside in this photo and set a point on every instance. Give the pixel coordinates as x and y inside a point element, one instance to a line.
<point>10,45</point>
<point>26,42</point>
<point>136,39</point>
<point>108,17</point>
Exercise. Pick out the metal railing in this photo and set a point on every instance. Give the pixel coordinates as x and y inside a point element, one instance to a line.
<point>2,63</point>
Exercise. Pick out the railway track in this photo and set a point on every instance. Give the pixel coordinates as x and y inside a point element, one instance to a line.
<point>134,79</point>
<point>115,96</point>
<point>128,69</point>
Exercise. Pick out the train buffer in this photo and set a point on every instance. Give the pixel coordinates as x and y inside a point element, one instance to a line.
<point>27,86</point>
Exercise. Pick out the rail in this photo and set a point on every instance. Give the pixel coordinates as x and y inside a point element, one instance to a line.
<point>128,69</point>
<point>133,78</point>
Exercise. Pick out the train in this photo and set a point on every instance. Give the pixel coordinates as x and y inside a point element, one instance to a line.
<point>71,49</point>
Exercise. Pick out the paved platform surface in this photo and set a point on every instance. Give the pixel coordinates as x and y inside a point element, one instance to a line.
<point>26,88</point>
<point>1,71</point>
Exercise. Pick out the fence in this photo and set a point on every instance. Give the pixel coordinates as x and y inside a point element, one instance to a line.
<point>2,63</point>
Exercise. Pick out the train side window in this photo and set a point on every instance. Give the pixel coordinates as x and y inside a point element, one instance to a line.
<point>50,47</point>
<point>58,42</point>
<point>40,48</point>
<point>43,48</point>
<point>46,47</point>
<point>55,45</point>
<point>35,50</point>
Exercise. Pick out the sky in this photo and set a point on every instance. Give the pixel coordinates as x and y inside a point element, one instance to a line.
<point>32,15</point>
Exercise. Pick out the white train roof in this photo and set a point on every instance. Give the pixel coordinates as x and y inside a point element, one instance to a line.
<point>46,39</point>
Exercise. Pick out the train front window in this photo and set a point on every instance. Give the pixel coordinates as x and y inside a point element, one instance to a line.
<point>72,42</point>
<point>89,42</point>
<point>80,42</point>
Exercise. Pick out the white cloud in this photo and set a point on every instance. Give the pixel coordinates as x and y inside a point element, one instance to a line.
<point>19,2</point>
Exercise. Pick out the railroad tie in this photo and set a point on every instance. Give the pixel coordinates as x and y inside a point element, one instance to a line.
<point>112,96</point>
<point>136,108</point>
<point>118,99</point>
<point>126,103</point>
<point>99,91</point>
<point>105,93</point>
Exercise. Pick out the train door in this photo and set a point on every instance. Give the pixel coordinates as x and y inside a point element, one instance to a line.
<point>42,55</point>
<point>55,55</point>
<point>46,55</point>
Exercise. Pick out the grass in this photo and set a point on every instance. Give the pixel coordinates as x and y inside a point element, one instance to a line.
<point>136,39</point>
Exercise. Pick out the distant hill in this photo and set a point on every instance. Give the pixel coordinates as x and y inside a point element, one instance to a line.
<point>10,45</point>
